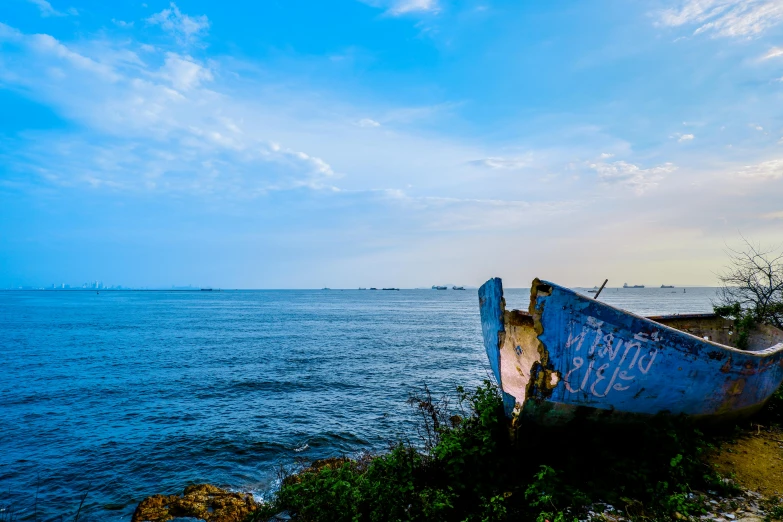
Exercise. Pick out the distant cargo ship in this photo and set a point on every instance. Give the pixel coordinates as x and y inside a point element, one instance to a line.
<point>390,289</point>
<point>435,287</point>
<point>458,288</point>
<point>667,286</point>
<point>206,289</point>
<point>625,285</point>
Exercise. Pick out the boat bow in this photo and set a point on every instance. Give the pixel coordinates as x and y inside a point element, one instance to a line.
<point>572,356</point>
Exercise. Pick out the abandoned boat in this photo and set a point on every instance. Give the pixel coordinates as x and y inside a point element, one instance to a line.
<point>571,357</point>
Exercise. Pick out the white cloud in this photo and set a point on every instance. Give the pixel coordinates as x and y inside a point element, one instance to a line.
<point>775,52</point>
<point>46,8</point>
<point>682,138</point>
<point>122,23</point>
<point>185,28</point>
<point>49,46</point>
<point>773,215</point>
<point>632,176</point>
<point>755,126</point>
<point>367,122</point>
<point>606,155</point>
<point>766,170</point>
<point>725,18</point>
<point>401,7</point>
<point>148,127</point>
<point>183,72</point>
<point>9,33</point>
<point>502,163</point>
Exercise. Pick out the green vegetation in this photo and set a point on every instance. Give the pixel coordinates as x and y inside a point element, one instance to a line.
<point>774,509</point>
<point>470,467</point>
<point>744,321</point>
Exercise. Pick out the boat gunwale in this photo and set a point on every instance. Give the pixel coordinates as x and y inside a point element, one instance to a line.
<point>766,352</point>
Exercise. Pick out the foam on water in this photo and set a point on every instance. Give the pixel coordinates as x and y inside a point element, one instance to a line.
<point>126,394</point>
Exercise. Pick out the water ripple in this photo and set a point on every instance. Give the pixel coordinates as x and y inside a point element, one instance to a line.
<point>125,394</point>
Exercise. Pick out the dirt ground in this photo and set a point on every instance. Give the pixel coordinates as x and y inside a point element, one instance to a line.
<point>755,458</point>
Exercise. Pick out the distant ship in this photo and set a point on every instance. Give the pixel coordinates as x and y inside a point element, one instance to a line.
<point>389,288</point>
<point>667,286</point>
<point>373,289</point>
<point>435,287</point>
<point>360,288</point>
<point>206,289</point>
<point>625,285</point>
<point>458,288</point>
<point>325,288</point>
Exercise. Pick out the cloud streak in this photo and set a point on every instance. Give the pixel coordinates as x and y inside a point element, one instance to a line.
<point>725,18</point>
<point>503,163</point>
<point>406,7</point>
<point>46,8</point>
<point>632,176</point>
<point>149,126</point>
<point>765,171</point>
<point>401,7</point>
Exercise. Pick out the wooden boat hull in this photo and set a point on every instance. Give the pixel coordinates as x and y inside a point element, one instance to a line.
<point>571,356</point>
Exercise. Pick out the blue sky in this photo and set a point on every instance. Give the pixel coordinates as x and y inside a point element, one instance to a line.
<point>302,144</point>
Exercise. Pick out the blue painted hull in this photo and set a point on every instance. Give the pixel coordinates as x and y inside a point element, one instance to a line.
<point>572,356</point>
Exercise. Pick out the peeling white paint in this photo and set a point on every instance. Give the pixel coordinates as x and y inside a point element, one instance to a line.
<point>517,356</point>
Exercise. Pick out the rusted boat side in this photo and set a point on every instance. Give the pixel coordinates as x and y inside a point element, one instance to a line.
<point>572,356</point>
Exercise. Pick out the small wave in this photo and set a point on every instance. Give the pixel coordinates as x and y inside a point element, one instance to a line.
<point>291,386</point>
<point>302,448</point>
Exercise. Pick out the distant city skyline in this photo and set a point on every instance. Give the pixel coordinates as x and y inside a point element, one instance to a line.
<point>387,143</point>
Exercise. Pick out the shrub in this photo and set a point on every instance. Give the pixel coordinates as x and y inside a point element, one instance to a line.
<point>471,468</point>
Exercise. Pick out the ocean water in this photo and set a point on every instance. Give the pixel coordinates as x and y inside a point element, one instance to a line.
<point>121,395</point>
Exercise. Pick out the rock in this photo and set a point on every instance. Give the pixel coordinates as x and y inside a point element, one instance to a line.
<point>202,501</point>
<point>315,467</point>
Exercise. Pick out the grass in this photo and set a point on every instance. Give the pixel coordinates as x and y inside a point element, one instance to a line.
<point>469,467</point>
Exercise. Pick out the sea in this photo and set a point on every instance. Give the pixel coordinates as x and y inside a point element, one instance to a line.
<point>107,398</point>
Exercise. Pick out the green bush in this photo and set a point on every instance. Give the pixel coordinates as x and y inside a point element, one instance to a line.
<point>744,322</point>
<point>473,468</point>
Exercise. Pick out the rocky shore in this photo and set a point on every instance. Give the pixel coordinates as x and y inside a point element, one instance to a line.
<point>200,501</point>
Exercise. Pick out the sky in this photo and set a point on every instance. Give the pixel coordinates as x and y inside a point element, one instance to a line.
<point>405,143</point>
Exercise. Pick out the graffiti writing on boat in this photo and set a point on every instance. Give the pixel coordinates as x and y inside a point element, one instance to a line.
<point>603,362</point>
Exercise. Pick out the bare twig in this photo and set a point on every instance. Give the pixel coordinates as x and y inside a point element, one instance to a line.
<point>434,415</point>
<point>754,280</point>
<point>80,506</point>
